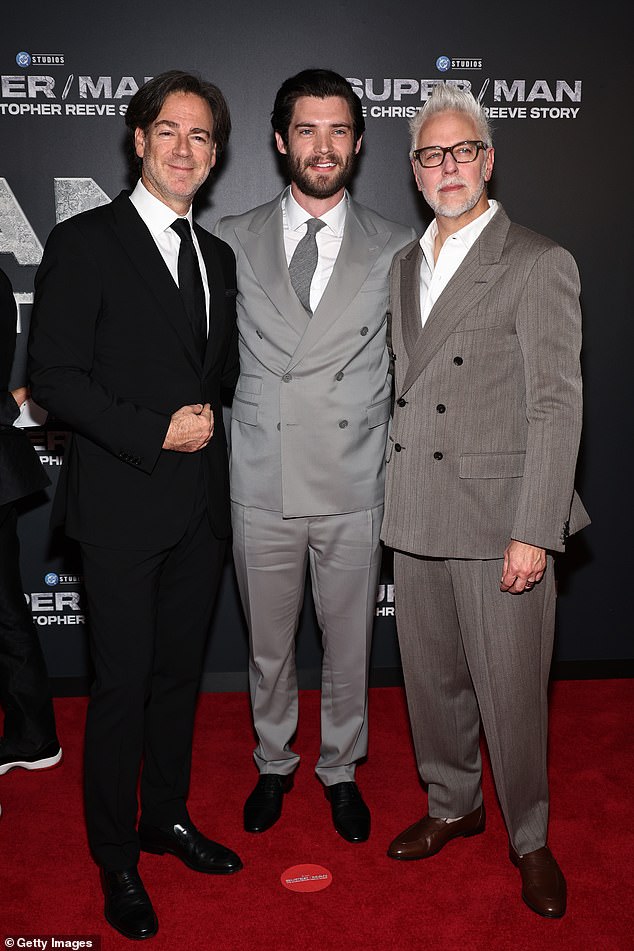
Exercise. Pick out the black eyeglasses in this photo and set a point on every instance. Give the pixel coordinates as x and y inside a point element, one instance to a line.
<point>462,152</point>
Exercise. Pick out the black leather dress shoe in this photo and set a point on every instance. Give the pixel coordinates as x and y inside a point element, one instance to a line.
<point>350,814</point>
<point>264,806</point>
<point>189,845</point>
<point>127,907</point>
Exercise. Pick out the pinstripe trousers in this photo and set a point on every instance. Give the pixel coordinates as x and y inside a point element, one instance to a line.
<point>473,654</point>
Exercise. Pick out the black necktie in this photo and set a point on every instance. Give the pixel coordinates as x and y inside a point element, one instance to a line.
<point>190,283</point>
<point>304,262</point>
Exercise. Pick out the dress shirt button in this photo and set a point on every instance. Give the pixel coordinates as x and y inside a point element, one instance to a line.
<point>441,408</point>
<point>438,455</point>
<point>397,447</point>
<point>287,377</point>
<point>458,361</point>
<point>363,331</point>
<point>343,424</point>
<point>339,376</point>
<point>401,402</point>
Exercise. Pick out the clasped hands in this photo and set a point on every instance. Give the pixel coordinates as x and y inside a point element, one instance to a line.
<point>190,429</point>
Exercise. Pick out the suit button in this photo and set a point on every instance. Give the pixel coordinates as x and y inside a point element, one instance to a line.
<point>363,331</point>
<point>278,427</point>
<point>441,408</point>
<point>438,455</point>
<point>287,377</point>
<point>458,361</point>
<point>339,376</point>
<point>397,447</point>
<point>401,402</point>
<point>343,424</point>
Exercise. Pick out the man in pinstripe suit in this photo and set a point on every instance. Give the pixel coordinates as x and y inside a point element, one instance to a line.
<point>486,333</point>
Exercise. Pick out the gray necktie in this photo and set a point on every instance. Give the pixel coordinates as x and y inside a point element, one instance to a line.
<point>304,261</point>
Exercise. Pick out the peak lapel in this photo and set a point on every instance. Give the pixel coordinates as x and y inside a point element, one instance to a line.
<point>359,251</point>
<point>475,277</point>
<point>263,245</point>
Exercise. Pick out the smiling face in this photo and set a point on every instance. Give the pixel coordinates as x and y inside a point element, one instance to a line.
<point>320,150</point>
<point>453,190</point>
<point>177,150</point>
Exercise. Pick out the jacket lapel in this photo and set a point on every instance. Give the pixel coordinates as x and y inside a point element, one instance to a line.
<point>475,277</point>
<point>216,283</point>
<point>360,248</point>
<point>147,261</point>
<point>263,244</point>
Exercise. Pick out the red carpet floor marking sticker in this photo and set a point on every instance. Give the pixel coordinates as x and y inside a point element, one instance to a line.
<point>306,878</point>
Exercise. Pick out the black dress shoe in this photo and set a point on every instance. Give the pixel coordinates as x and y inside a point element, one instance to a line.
<point>189,845</point>
<point>350,814</point>
<point>264,806</point>
<point>127,907</point>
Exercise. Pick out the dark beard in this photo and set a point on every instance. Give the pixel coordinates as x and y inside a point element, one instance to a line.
<point>320,186</point>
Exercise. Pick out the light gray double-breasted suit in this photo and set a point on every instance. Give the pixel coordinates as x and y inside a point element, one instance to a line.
<point>309,426</point>
<point>482,450</point>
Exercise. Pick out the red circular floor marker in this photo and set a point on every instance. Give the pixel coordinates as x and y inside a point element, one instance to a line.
<point>306,878</point>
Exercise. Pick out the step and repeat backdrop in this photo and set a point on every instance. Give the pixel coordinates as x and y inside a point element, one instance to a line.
<point>558,88</point>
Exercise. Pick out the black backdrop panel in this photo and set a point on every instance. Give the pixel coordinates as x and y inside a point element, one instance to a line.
<point>557,86</point>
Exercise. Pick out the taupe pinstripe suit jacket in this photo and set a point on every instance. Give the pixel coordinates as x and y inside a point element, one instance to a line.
<point>487,420</point>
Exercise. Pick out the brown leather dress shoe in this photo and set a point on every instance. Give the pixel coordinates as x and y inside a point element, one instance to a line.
<point>428,836</point>
<point>543,885</point>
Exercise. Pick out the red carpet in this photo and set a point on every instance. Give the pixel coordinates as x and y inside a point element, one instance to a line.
<point>465,899</point>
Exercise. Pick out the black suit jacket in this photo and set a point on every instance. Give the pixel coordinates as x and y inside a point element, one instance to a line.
<point>20,470</point>
<point>112,353</point>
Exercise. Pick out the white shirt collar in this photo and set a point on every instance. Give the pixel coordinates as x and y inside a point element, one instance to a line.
<point>466,236</point>
<point>156,214</point>
<point>296,216</point>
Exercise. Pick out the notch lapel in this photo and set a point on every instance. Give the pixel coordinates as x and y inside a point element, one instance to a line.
<point>146,259</point>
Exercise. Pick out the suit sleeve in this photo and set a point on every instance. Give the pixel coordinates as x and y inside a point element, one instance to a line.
<point>9,410</point>
<point>549,331</point>
<point>69,300</point>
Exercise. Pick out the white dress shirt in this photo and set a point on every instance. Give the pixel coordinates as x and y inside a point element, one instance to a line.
<point>435,275</point>
<point>158,218</point>
<point>328,238</point>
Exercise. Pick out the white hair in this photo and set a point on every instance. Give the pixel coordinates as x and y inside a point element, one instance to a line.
<point>447,97</point>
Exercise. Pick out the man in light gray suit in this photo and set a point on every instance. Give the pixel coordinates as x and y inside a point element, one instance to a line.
<point>308,436</point>
<point>486,333</point>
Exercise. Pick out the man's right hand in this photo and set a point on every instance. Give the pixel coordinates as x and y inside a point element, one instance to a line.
<point>190,428</point>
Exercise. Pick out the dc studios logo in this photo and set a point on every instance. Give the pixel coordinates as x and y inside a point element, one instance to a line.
<point>23,59</point>
<point>51,579</point>
<point>443,63</point>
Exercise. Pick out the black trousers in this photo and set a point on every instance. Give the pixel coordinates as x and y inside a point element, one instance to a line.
<point>149,614</point>
<point>25,694</point>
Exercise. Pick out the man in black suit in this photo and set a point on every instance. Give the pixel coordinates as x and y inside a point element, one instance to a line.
<point>29,737</point>
<point>133,336</point>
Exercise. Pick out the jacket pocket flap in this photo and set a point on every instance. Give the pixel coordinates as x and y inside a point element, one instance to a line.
<point>244,412</point>
<point>379,413</point>
<point>492,465</point>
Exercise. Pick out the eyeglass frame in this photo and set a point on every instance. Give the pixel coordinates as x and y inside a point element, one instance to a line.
<point>479,143</point>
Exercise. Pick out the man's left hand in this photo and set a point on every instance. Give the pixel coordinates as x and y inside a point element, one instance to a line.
<point>524,567</point>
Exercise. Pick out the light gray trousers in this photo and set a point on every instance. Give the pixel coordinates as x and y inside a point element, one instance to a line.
<point>271,554</point>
